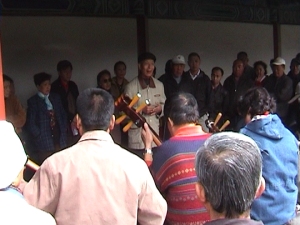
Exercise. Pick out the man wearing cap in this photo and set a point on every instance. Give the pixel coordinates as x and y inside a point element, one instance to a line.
<point>151,89</point>
<point>96,181</point>
<point>13,207</point>
<point>175,82</point>
<point>283,90</point>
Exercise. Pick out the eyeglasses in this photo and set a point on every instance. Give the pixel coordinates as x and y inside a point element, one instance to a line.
<point>106,81</point>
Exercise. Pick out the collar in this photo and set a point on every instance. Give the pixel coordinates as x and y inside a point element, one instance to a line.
<point>142,82</point>
<point>217,87</point>
<point>257,117</point>
<point>96,135</point>
<point>195,76</point>
<point>189,130</point>
<point>64,84</point>
<point>41,95</point>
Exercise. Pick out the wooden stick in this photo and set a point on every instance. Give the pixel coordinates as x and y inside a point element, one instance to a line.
<point>140,108</point>
<point>132,103</point>
<point>217,118</point>
<point>32,165</point>
<point>225,125</point>
<point>156,140</point>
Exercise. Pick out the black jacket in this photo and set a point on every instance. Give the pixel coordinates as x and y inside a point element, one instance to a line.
<point>56,87</point>
<point>171,86</point>
<point>235,91</point>
<point>201,89</point>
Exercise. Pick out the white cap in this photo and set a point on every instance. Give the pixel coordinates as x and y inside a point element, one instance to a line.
<point>179,59</point>
<point>12,155</point>
<point>279,61</point>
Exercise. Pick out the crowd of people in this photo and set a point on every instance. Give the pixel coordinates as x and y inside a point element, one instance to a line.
<point>195,178</point>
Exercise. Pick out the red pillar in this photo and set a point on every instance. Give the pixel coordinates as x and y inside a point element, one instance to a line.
<point>2,104</point>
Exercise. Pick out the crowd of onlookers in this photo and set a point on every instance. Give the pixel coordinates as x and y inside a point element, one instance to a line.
<point>261,106</point>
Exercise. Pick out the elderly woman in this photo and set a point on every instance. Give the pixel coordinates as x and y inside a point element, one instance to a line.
<point>46,119</point>
<point>104,80</point>
<point>261,78</point>
<point>14,111</point>
<point>279,150</point>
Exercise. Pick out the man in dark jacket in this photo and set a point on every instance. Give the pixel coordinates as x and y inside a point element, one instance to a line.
<point>68,92</point>
<point>283,90</point>
<point>200,83</point>
<point>236,85</point>
<point>175,82</point>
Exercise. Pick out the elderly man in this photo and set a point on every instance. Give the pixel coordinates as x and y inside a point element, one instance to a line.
<point>151,89</point>
<point>96,181</point>
<point>175,82</point>
<point>229,174</point>
<point>283,90</point>
<point>173,161</point>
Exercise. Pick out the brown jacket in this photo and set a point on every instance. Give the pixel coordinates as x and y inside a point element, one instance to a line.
<point>15,113</point>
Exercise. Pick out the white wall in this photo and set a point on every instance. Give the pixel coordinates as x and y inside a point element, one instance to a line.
<point>217,43</point>
<point>34,44</point>
<point>290,41</point>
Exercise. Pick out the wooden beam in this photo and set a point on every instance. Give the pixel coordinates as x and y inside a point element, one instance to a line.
<point>276,40</point>
<point>2,103</point>
<point>142,34</point>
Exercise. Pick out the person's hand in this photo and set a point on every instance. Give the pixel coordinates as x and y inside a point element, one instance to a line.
<point>147,136</point>
<point>148,110</point>
<point>156,110</point>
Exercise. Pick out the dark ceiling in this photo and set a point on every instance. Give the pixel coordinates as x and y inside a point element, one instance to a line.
<point>253,11</point>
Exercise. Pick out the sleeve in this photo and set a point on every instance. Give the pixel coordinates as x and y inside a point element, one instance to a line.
<point>152,206</point>
<point>18,118</point>
<point>43,189</point>
<point>286,92</point>
<point>225,105</point>
<point>32,119</point>
<point>208,92</point>
<point>128,90</point>
<point>162,100</point>
<point>63,120</point>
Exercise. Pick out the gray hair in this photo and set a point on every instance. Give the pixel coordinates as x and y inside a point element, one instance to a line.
<point>229,168</point>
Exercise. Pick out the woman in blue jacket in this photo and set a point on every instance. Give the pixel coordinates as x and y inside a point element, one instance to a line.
<point>279,151</point>
<point>46,119</point>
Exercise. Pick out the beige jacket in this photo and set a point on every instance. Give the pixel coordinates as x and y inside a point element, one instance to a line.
<point>96,182</point>
<point>156,96</point>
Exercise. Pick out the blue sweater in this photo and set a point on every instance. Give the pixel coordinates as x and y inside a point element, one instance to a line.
<point>279,150</point>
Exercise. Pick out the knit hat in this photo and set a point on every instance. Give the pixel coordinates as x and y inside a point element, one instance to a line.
<point>12,155</point>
